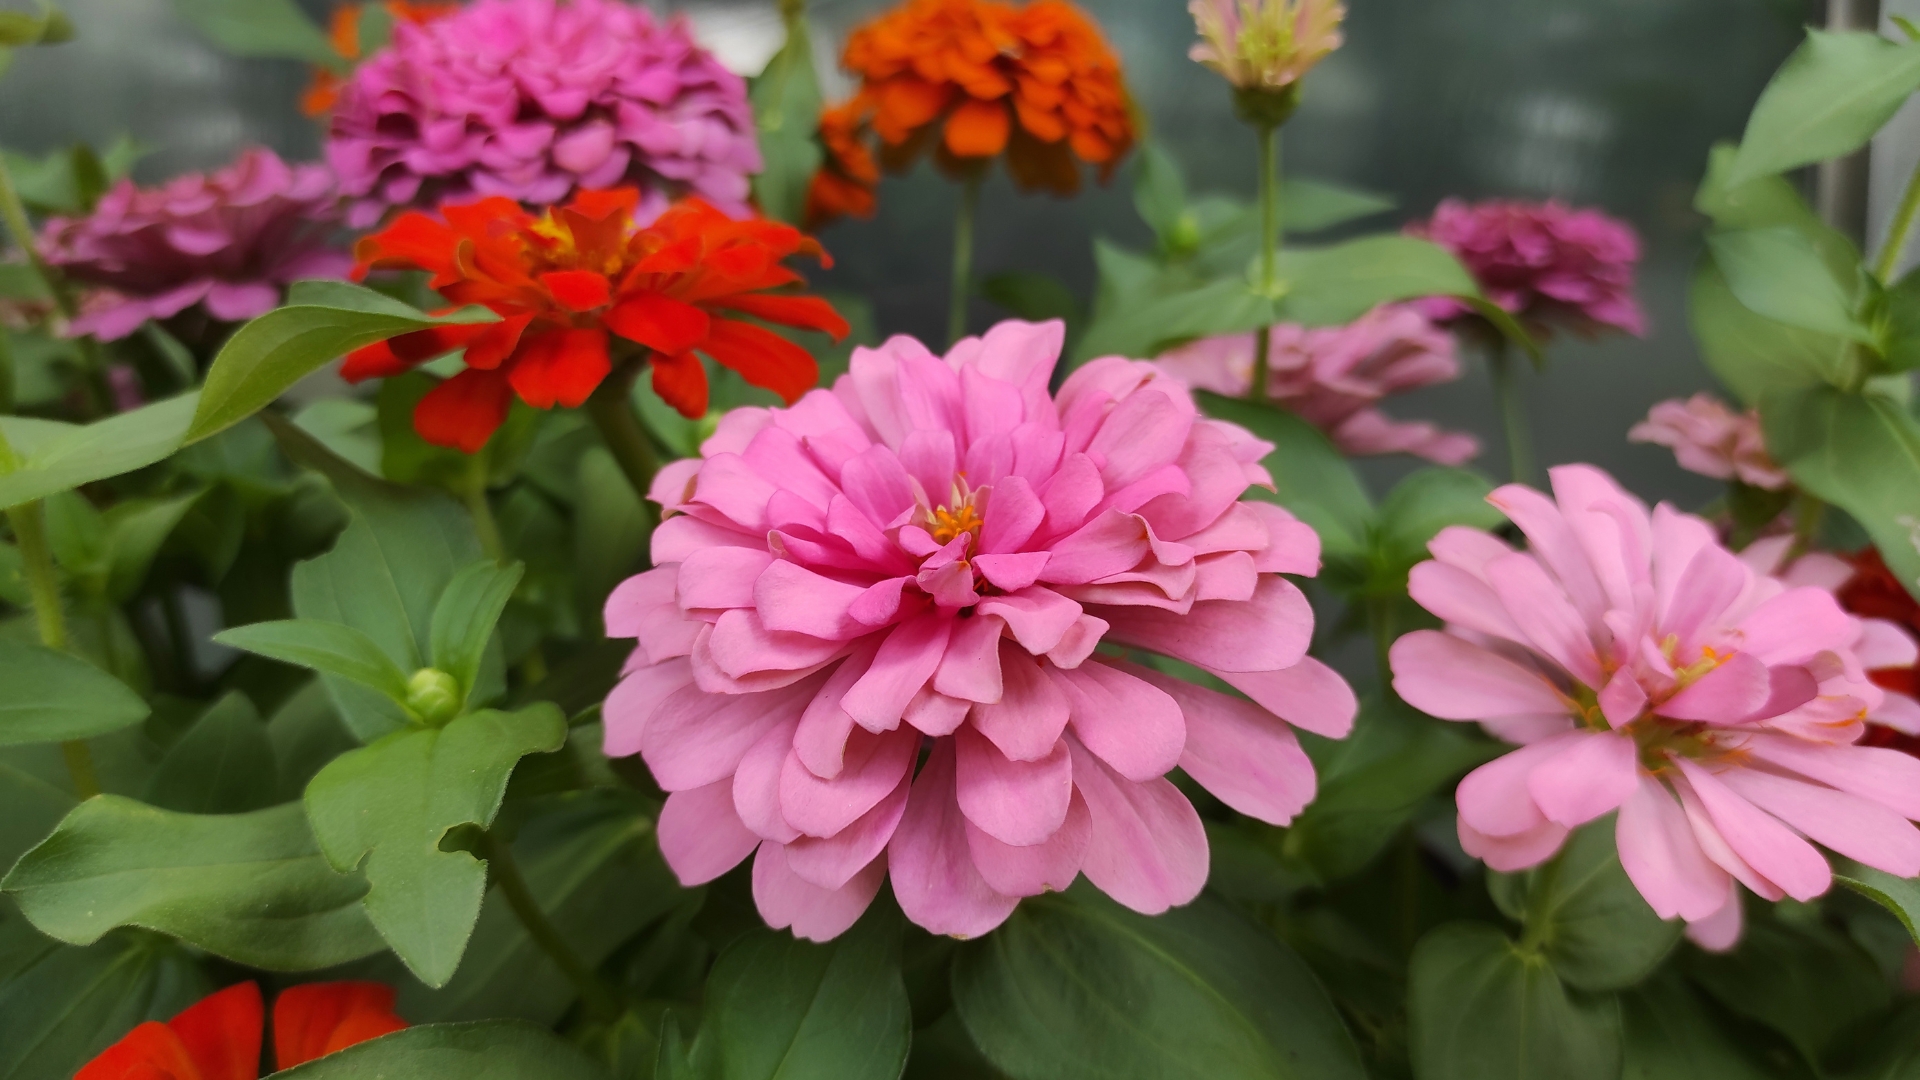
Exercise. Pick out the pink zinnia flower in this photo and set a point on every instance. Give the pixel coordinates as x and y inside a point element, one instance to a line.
<point>1647,669</point>
<point>1710,439</point>
<point>921,562</point>
<point>1265,44</point>
<point>229,240</point>
<point>1544,262</point>
<point>1334,376</point>
<point>532,99</point>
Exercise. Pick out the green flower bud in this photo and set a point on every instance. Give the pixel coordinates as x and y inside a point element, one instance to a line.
<point>434,696</point>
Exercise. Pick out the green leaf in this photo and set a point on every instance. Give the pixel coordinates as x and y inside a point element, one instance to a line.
<point>276,29</point>
<point>611,528</point>
<point>1902,345</point>
<point>1032,296</point>
<point>487,1050</point>
<point>59,1006</point>
<point>387,806</point>
<point>783,1009</point>
<point>55,697</point>
<point>1312,205</point>
<point>50,27</point>
<point>323,646</point>
<point>1428,500</point>
<point>251,887</point>
<point>306,732</point>
<point>1808,982</point>
<point>1479,1009</point>
<point>1779,274</point>
<point>1073,985</point>
<point>1148,325</point>
<point>1901,896</point>
<point>1752,355</point>
<point>345,426</point>
<point>463,621</point>
<point>1669,1035</point>
<point>786,108</point>
<point>271,353</point>
<point>1826,101</point>
<point>1824,436</point>
<point>61,457</point>
<point>1766,202</point>
<point>1333,286</point>
<point>1310,477</point>
<point>1585,914</point>
<point>223,764</point>
<point>1160,197</point>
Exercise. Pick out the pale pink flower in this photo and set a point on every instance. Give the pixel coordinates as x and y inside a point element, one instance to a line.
<point>920,562</point>
<point>1648,670</point>
<point>1710,439</point>
<point>1334,376</point>
<point>1547,264</point>
<point>1265,44</point>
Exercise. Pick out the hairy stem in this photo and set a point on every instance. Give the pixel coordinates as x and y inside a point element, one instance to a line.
<point>474,494</point>
<point>961,288</point>
<point>14,213</point>
<point>1269,252</point>
<point>1513,412</point>
<point>599,999</point>
<point>30,532</point>
<point>1902,229</point>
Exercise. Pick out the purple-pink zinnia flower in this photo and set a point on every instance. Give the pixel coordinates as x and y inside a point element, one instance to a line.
<point>532,99</point>
<point>1648,670</point>
<point>1547,264</point>
<point>924,558</point>
<point>230,240</point>
<point>1334,376</point>
<point>1709,438</point>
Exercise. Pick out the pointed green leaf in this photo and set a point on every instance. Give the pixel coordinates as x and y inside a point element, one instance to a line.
<point>786,108</point>
<point>1312,205</point>
<point>1826,101</point>
<point>1147,325</point>
<point>1587,916</point>
<point>60,1006</point>
<point>276,29</point>
<point>1901,896</point>
<point>61,457</point>
<point>1480,1009</point>
<point>1428,500</point>
<point>1779,274</point>
<point>487,1050</point>
<point>464,619</point>
<point>223,764</point>
<point>323,646</point>
<point>1752,355</point>
<point>55,697</point>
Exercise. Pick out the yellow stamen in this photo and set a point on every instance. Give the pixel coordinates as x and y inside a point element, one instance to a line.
<point>948,524</point>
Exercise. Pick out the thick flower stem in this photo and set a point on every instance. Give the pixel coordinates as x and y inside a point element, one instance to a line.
<point>1513,412</point>
<point>1269,251</point>
<point>15,215</point>
<point>961,287</point>
<point>596,996</point>
<point>611,409</point>
<point>1897,236</point>
<point>30,533</point>
<point>474,494</point>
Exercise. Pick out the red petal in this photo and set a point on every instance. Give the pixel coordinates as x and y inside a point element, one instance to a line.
<point>578,290</point>
<point>149,1052</point>
<point>496,342</point>
<point>316,1019</point>
<point>804,312</point>
<point>465,410</point>
<point>658,322</point>
<point>763,358</point>
<point>221,1033</point>
<point>681,382</point>
<point>599,204</point>
<point>560,367</point>
<point>375,361</point>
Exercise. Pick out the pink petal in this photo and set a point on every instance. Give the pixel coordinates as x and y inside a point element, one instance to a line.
<point>1662,858</point>
<point>1592,775</point>
<point>821,739</point>
<point>1013,513</point>
<point>756,784</point>
<point>1043,867</point>
<point>1038,617</point>
<point>1462,599</point>
<point>1623,699</point>
<point>1883,644</point>
<point>1769,847</point>
<point>635,699</point>
<point>645,607</point>
<point>1011,573</point>
<point>934,713</point>
<point>1854,827</point>
<point>1544,614</point>
<point>1149,850</point>
<point>874,765</point>
<point>793,599</point>
<point>1515,852</point>
<point>1017,802</point>
<point>700,835</point>
<point>1726,695</point>
<point>786,899</point>
<point>1308,695</point>
<point>970,670</point>
<point>696,738</point>
<point>1885,776</point>
<point>1109,544</point>
<point>1130,724</point>
<point>1495,799</point>
<point>1719,931</point>
<point>717,578</point>
<point>1267,633</point>
<point>933,873</point>
<point>832,861</point>
<point>1443,676</point>
<point>906,660</point>
<point>1032,710</point>
<point>1793,626</point>
<point>1240,752</point>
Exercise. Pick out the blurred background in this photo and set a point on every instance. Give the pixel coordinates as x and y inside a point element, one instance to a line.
<point>1612,103</point>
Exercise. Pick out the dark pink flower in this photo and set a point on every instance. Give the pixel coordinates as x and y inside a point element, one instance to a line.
<point>1547,264</point>
<point>229,240</point>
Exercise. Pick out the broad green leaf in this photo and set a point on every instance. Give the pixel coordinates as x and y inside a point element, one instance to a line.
<point>1073,985</point>
<point>251,887</point>
<point>49,27</point>
<point>1887,1048</point>
<point>1810,983</point>
<point>1669,1035</point>
<point>223,764</point>
<point>1901,896</point>
<point>611,527</point>
<point>1332,286</point>
<point>786,109</point>
<point>1826,101</point>
<point>1752,355</point>
<point>1903,324</point>
<point>54,697</point>
<point>1146,326</point>
<point>464,619</point>
<point>1312,205</point>
<point>271,353</point>
<point>135,530</point>
<point>1582,911</point>
<point>306,732</point>
<point>276,29</point>
<point>60,1006</point>
<point>386,807</point>
<point>486,1050</point>
<point>61,457</point>
<point>1479,1009</point>
<point>1766,202</point>
<point>345,426</point>
<point>1826,438</point>
<point>1160,197</point>
<point>34,796</point>
<point>1779,274</point>
<point>323,646</point>
<point>1428,500</point>
<point>1310,477</point>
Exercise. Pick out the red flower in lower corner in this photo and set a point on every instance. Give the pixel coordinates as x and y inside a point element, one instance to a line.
<point>562,281</point>
<point>219,1036</point>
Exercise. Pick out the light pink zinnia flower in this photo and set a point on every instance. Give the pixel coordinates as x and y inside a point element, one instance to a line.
<point>923,560</point>
<point>1333,377</point>
<point>1265,44</point>
<point>1710,439</point>
<point>230,240</point>
<point>1648,670</point>
<point>1545,263</point>
<point>532,98</point>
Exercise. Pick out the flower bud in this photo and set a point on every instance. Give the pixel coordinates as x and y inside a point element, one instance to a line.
<point>1264,47</point>
<point>434,696</point>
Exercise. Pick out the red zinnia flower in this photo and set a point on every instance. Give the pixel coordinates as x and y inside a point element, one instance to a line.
<point>562,280</point>
<point>218,1037</point>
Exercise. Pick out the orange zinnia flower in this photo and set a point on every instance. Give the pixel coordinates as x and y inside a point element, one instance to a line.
<point>562,280</point>
<point>344,34</point>
<point>1036,82</point>
<point>218,1037</point>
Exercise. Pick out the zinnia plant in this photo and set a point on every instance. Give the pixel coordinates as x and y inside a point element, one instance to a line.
<point>219,1037</point>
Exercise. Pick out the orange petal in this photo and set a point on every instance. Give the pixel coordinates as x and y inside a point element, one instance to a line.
<point>560,367</point>
<point>578,290</point>
<point>496,341</point>
<point>803,312</point>
<point>659,322</point>
<point>681,382</point>
<point>465,410</point>
<point>978,128</point>
<point>763,358</point>
<point>221,1033</point>
<point>316,1019</point>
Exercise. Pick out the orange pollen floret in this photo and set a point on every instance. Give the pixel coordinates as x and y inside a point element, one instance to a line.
<point>948,524</point>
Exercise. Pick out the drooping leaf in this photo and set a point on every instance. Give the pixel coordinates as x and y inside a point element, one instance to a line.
<point>223,764</point>
<point>54,697</point>
<point>1311,478</point>
<point>1826,101</point>
<point>61,457</point>
<point>275,29</point>
<point>1480,1009</point>
<point>251,887</point>
<point>1826,437</point>
<point>1779,275</point>
<point>1073,985</point>
<point>463,621</point>
<point>1587,916</point>
<point>327,647</point>
<point>786,109</point>
<point>484,1050</point>
<point>386,807</point>
<point>1901,896</point>
<point>1808,982</point>
<point>1753,355</point>
<point>60,1006</point>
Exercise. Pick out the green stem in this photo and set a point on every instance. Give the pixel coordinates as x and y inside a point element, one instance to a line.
<point>1903,219</point>
<point>1808,511</point>
<point>36,558</point>
<point>474,494</point>
<point>1269,252</point>
<point>14,213</point>
<point>962,259</point>
<point>611,409</point>
<point>1538,926</point>
<point>599,999</point>
<point>1380,625</point>
<point>1513,412</point>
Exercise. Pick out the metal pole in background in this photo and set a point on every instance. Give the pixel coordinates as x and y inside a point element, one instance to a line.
<point>1840,187</point>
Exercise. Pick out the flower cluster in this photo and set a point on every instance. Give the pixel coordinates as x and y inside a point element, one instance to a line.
<point>533,99</point>
<point>1335,376</point>
<point>925,558</point>
<point>1711,439</point>
<point>1646,669</point>
<point>1548,265</point>
<point>219,1037</point>
<point>565,280</point>
<point>227,240</point>
<point>1037,82</point>
<point>343,33</point>
<point>1265,45</point>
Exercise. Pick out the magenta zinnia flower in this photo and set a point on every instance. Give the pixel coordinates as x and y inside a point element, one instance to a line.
<point>1710,439</point>
<point>1547,264</point>
<point>921,562</point>
<point>532,99</point>
<point>1647,669</point>
<point>229,240</point>
<point>1334,376</point>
